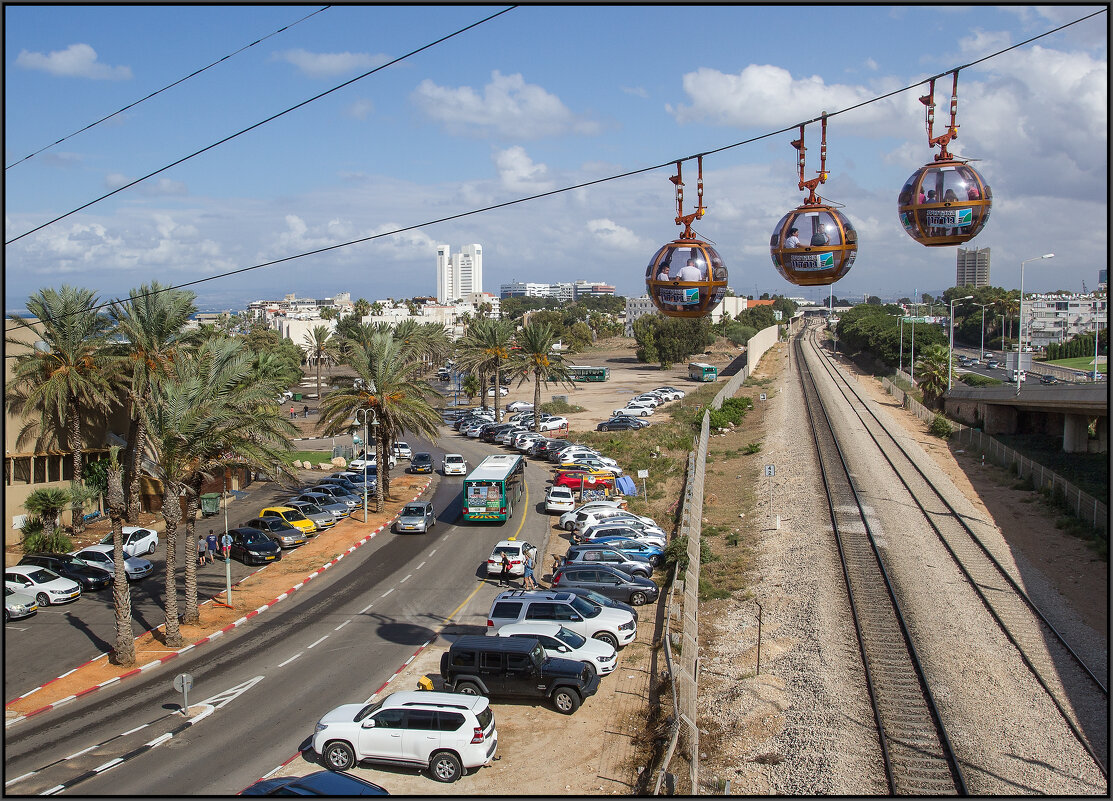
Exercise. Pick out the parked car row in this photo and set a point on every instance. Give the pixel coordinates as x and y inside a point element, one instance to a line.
<point>640,406</point>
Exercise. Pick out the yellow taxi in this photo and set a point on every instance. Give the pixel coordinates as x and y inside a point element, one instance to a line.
<point>291,516</point>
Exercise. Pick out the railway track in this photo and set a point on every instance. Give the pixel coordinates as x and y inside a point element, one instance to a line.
<point>917,753</point>
<point>1076,690</point>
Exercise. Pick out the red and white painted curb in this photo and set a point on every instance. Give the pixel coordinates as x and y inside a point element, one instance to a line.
<point>163,660</point>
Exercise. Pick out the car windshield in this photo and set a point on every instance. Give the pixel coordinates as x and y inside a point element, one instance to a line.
<point>294,514</point>
<point>368,710</point>
<point>509,550</point>
<point>42,575</point>
<point>423,457</point>
<point>310,509</point>
<point>588,610</point>
<point>454,459</point>
<point>570,638</point>
<point>413,511</point>
<point>254,539</point>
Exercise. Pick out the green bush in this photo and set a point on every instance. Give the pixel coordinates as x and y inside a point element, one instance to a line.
<point>733,411</point>
<point>753,447</point>
<point>35,539</point>
<point>975,380</point>
<point>560,407</point>
<point>941,427</point>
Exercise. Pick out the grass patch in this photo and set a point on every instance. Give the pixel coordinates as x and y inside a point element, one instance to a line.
<point>752,448</point>
<point>1087,471</point>
<point>316,457</point>
<point>560,407</point>
<point>1077,363</point>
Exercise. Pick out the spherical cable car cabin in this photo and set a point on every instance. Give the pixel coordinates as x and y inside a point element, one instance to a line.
<point>945,202</point>
<point>814,244</point>
<point>686,278</point>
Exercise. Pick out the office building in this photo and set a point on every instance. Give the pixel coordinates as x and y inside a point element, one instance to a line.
<point>1056,317</point>
<point>973,267</point>
<point>460,274</point>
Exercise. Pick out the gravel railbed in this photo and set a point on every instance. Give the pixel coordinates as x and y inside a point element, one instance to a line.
<point>1005,729</point>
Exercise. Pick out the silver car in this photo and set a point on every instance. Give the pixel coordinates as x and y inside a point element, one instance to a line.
<point>100,556</point>
<point>314,513</point>
<point>340,494</point>
<point>324,501</point>
<point>417,517</point>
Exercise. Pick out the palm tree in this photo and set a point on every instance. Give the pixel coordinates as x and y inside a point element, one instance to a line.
<point>534,358</point>
<point>361,308</point>
<point>389,385</point>
<point>933,367</point>
<point>213,412</point>
<point>46,504</point>
<point>66,378</point>
<point>485,349</point>
<point>124,652</point>
<point>322,347</point>
<point>150,325</point>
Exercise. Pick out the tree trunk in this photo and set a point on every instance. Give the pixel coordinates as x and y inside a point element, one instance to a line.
<point>498,393</point>
<point>537,401</point>
<point>124,652</point>
<point>192,614</point>
<point>384,467</point>
<point>76,509</point>
<point>318,380</point>
<point>172,514</point>
<point>135,501</point>
<point>131,462</point>
<point>379,473</point>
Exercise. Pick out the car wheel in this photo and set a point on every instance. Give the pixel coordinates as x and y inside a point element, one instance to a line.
<point>7,617</point>
<point>569,526</point>
<point>339,756</point>
<point>445,766</point>
<point>468,688</point>
<point>42,599</point>
<point>151,548</point>
<point>591,665</point>
<point>566,701</point>
<point>637,598</point>
<point>607,637</point>
<point>655,560</point>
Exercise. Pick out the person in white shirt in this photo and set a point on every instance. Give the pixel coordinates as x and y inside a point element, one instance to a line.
<point>690,272</point>
<point>792,240</point>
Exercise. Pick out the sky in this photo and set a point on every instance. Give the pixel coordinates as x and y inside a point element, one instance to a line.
<point>538,99</point>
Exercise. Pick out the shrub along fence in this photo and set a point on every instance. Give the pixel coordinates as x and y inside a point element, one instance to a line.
<point>1085,507</point>
<point>684,673</point>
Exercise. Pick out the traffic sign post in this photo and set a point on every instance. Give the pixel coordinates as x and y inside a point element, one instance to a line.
<point>770,471</point>
<point>182,683</point>
<point>643,475</point>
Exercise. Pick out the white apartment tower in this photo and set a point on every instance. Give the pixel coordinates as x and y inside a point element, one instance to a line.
<point>459,275</point>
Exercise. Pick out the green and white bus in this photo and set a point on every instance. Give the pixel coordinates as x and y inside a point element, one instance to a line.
<point>698,371</point>
<point>584,373</point>
<point>493,487</point>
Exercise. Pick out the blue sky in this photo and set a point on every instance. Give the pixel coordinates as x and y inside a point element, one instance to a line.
<point>538,99</point>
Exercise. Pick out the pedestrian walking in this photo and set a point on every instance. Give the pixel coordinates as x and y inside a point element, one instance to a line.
<point>293,414</point>
<point>211,541</point>
<point>305,412</point>
<point>202,551</point>
<point>226,545</point>
<point>529,582</point>
<point>504,573</point>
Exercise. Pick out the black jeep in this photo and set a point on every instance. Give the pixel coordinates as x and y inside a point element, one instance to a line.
<point>516,667</point>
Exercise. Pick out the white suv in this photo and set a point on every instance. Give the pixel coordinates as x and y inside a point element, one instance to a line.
<point>615,627</point>
<point>445,732</point>
<point>563,643</point>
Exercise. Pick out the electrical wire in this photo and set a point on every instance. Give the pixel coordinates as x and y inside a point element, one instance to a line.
<point>168,86</point>
<point>596,181</point>
<point>259,124</point>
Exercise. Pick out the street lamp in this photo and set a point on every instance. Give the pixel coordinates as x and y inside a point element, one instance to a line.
<point>951,343</point>
<point>1020,337</point>
<point>366,445</point>
<point>983,305</point>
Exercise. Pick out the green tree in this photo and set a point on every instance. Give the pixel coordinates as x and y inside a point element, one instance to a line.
<point>535,360</point>
<point>670,341</point>
<point>46,504</point>
<point>932,370</point>
<point>65,379</point>
<point>485,349</point>
<point>389,386</point>
<point>321,347</point>
<point>150,339</point>
<point>362,307</point>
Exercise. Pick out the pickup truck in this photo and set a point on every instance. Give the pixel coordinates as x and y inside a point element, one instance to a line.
<point>516,667</point>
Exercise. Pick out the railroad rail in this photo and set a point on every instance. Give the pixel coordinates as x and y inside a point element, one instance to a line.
<point>1044,650</point>
<point>916,751</point>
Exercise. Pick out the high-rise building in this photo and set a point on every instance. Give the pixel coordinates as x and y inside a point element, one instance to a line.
<point>973,267</point>
<point>460,274</point>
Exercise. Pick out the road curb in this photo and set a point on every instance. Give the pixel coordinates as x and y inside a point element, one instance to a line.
<point>207,638</point>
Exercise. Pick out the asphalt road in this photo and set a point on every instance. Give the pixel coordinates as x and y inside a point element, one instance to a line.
<point>335,641</point>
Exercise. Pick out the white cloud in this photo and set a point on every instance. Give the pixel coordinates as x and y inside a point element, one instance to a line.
<point>519,173</point>
<point>76,61</point>
<point>636,91</point>
<point>360,109</point>
<point>162,187</point>
<point>611,234</point>
<point>326,65</point>
<point>508,107</point>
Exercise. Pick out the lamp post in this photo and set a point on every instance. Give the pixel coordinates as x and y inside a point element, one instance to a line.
<point>951,342</point>
<point>366,445</point>
<point>983,305</point>
<point>1097,333</point>
<point>912,355</point>
<point>1020,333</point>
<point>900,358</point>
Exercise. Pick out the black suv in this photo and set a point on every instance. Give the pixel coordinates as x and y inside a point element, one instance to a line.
<point>90,577</point>
<point>516,667</point>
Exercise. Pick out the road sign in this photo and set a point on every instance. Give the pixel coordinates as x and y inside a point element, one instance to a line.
<point>183,682</point>
<point>770,470</point>
<point>643,474</point>
<point>762,396</point>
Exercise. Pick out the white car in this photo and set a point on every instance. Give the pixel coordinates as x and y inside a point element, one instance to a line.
<point>137,540</point>
<point>402,450</point>
<point>473,429</point>
<point>18,604</point>
<point>454,464</point>
<point>515,551</point>
<point>590,517</point>
<point>519,406</point>
<point>502,391</point>
<point>633,411</point>
<point>646,400</point>
<point>673,392</point>
<point>447,733</point>
<point>568,519</point>
<point>372,462</point>
<point>621,527</point>
<point>593,464</point>
<point>525,439</point>
<point>504,437</point>
<point>46,585</point>
<point>554,424</point>
<point>101,556</point>
<point>563,643</point>
<point>576,453</point>
<point>559,499</point>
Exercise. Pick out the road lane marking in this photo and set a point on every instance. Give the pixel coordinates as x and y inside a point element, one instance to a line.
<point>317,643</point>
<point>291,659</point>
<point>55,789</point>
<point>79,753</point>
<point>20,778</point>
<point>388,592</point>
<point>364,609</point>
<point>222,699</point>
<point>420,566</point>
<point>109,764</point>
<point>137,728</point>
<point>342,625</point>
<point>407,578</point>
<point>159,740</point>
